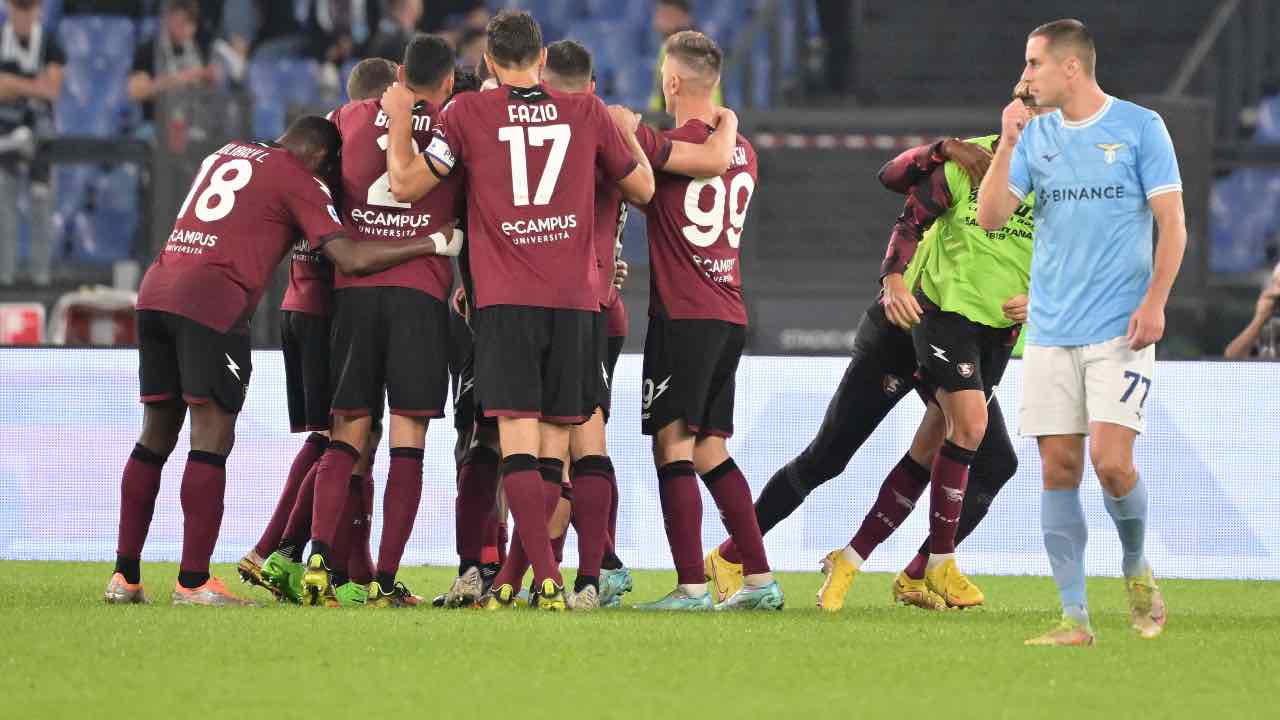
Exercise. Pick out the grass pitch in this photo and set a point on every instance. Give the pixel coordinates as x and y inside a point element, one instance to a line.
<point>66,654</point>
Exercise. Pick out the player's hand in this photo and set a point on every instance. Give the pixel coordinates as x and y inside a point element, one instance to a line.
<point>973,159</point>
<point>1266,306</point>
<point>1013,121</point>
<point>723,114</point>
<point>1146,326</point>
<point>459,301</point>
<point>900,306</point>
<point>397,101</point>
<point>620,272</point>
<point>626,120</point>
<point>1016,308</point>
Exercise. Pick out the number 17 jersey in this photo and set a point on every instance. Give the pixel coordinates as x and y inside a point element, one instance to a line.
<point>695,228</point>
<point>531,157</point>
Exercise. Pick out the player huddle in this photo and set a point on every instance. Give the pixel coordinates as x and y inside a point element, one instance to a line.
<point>526,182</point>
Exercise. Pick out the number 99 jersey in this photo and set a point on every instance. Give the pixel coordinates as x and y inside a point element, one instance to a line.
<point>695,229</point>
<point>373,214</point>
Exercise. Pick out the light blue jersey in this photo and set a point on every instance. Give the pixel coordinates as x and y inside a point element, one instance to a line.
<point>1091,263</point>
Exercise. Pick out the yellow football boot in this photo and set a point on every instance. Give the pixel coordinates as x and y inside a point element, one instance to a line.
<point>946,580</point>
<point>840,574</point>
<point>725,577</point>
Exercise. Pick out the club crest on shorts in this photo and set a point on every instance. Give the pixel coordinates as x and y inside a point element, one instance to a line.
<point>965,369</point>
<point>892,384</point>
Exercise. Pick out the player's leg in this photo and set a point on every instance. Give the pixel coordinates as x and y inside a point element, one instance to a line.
<point>993,466</point>
<point>511,343</point>
<point>897,498</point>
<point>593,482</point>
<point>304,344</point>
<point>615,579</point>
<point>880,373</point>
<point>356,370</point>
<point>360,564</point>
<point>1117,385</point>
<point>215,369</point>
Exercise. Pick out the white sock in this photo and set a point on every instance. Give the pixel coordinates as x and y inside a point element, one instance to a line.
<point>759,580</point>
<point>937,559</point>
<point>694,590</point>
<point>852,556</point>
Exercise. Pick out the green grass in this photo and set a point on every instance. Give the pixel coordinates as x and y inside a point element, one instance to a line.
<point>66,654</point>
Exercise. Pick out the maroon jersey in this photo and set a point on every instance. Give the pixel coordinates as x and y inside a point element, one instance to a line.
<point>695,227</point>
<point>246,207</point>
<point>615,315</point>
<point>531,157</point>
<point>310,281</point>
<point>611,216</point>
<point>373,214</point>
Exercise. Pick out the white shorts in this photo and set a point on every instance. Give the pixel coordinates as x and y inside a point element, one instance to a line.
<point>1066,388</point>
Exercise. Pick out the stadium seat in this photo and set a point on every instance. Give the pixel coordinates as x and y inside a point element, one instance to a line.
<point>115,214</point>
<point>1242,219</point>
<point>95,89</point>
<point>277,85</point>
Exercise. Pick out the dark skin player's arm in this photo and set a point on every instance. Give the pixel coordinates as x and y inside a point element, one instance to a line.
<point>366,258</point>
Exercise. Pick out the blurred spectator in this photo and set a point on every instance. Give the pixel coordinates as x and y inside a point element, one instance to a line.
<point>173,62</point>
<point>131,8</point>
<point>397,26</point>
<point>274,27</point>
<point>669,18</point>
<point>1261,337</point>
<point>338,27</point>
<point>453,16</point>
<point>835,18</point>
<point>471,48</point>
<point>30,80</point>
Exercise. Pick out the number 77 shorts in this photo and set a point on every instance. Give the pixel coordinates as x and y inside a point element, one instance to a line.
<point>1064,389</point>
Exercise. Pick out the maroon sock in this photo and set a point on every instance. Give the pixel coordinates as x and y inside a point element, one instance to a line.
<point>139,487</point>
<point>553,489</point>
<point>733,497</point>
<point>298,529</point>
<point>524,488</point>
<point>477,494</point>
<point>592,495</point>
<point>946,496</point>
<point>613,508</point>
<point>682,517</point>
<point>729,551</point>
<point>344,543</point>
<point>399,507</point>
<point>360,565</point>
<point>897,498</point>
<point>203,484</point>
<point>504,537</point>
<point>915,569</point>
<point>333,474</point>
<point>515,565</point>
<point>311,451</point>
<point>489,551</point>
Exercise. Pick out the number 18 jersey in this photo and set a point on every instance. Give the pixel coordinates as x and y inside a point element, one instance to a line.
<point>695,228</point>
<point>373,214</point>
<point>531,157</point>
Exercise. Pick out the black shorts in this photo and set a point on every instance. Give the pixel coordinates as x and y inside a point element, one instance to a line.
<point>600,361</point>
<point>304,340</point>
<point>613,349</point>
<point>534,362</point>
<point>393,340</point>
<point>689,368</point>
<point>462,376</point>
<point>954,353</point>
<point>179,357</point>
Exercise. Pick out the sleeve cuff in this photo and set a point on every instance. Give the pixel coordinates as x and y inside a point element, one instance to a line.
<point>1176,187</point>
<point>1017,192</point>
<point>663,155</point>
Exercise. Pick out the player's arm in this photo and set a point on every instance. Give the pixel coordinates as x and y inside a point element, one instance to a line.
<point>1146,326</point>
<point>996,198</point>
<point>901,173</point>
<point>366,258</point>
<point>638,185</point>
<point>711,158</point>
<point>1242,345</point>
<point>411,174</point>
<point>926,202</point>
<point>45,86</point>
